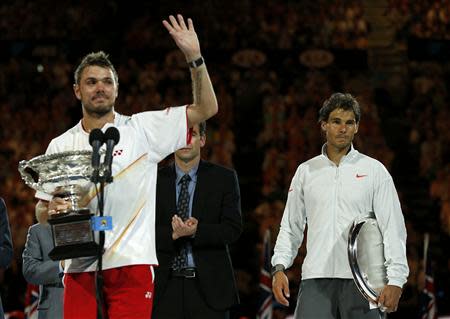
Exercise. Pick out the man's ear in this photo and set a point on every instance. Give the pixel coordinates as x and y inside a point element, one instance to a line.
<point>323,126</point>
<point>202,140</point>
<point>357,127</point>
<point>76,90</point>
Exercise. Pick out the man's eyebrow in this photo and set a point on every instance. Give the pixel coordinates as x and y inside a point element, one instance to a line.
<point>95,78</point>
<point>337,118</point>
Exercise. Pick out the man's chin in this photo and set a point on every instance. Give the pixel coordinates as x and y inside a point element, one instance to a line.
<point>343,145</point>
<point>339,144</point>
<point>184,156</point>
<point>99,111</point>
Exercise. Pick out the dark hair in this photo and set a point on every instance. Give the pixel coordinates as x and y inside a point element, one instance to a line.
<point>343,101</point>
<point>202,128</point>
<point>99,58</point>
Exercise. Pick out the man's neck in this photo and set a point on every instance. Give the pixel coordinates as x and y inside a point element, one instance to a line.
<point>187,166</point>
<point>336,154</point>
<point>90,122</point>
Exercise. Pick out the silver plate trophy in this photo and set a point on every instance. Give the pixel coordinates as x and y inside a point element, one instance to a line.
<point>366,257</point>
<point>66,175</point>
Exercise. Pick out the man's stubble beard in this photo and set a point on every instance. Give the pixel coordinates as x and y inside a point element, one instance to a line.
<point>344,146</point>
<point>98,112</point>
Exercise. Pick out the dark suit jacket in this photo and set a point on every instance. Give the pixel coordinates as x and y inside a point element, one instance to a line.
<point>39,269</point>
<point>6,249</point>
<point>217,206</point>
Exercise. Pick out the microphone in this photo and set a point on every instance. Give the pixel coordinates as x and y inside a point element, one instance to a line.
<point>111,138</point>
<point>96,140</point>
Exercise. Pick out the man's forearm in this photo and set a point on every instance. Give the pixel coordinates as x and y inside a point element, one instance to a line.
<point>205,102</point>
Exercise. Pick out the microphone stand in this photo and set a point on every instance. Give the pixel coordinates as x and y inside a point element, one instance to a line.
<point>99,272</point>
<point>103,179</point>
<point>111,137</point>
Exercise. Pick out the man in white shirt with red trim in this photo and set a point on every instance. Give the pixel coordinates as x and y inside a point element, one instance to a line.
<point>145,139</point>
<point>328,192</point>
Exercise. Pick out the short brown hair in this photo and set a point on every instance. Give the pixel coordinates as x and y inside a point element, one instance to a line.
<point>343,101</point>
<point>202,128</point>
<point>99,58</point>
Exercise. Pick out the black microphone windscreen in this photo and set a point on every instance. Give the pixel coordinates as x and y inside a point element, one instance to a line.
<point>96,135</point>
<point>112,133</point>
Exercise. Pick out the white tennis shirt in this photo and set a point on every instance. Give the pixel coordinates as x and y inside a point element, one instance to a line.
<point>328,198</point>
<point>145,139</point>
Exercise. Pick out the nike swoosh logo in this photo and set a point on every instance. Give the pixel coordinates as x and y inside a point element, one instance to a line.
<point>360,176</point>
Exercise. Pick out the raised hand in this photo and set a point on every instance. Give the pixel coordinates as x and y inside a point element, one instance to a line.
<point>184,36</point>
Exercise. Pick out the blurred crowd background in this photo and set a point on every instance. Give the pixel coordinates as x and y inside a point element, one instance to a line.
<point>272,64</point>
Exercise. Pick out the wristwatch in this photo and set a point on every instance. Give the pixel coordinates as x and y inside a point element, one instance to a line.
<point>196,63</point>
<point>277,268</point>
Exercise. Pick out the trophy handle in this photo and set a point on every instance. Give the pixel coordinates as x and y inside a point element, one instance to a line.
<point>29,175</point>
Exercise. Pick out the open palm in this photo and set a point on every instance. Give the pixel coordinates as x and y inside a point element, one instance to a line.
<point>184,36</point>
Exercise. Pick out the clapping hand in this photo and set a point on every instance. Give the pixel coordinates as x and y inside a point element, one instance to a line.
<point>182,228</point>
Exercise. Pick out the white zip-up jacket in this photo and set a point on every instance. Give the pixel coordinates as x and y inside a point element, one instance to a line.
<point>328,198</point>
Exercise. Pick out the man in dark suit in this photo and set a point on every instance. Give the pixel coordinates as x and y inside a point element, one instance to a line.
<point>39,269</point>
<point>6,249</point>
<point>195,276</point>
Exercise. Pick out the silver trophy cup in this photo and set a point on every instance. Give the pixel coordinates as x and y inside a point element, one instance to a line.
<point>65,175</point>
<point>366,257</point>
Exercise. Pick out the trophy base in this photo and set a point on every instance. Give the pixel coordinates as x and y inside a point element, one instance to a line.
<point>74,251</point>
<point>73,236</point>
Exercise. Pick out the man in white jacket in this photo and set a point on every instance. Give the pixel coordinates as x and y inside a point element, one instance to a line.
<point>327,193</point>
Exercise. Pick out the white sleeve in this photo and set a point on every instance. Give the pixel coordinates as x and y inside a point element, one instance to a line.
<point>165,131</point>
<point>389,215</point>
<point>293,223</point>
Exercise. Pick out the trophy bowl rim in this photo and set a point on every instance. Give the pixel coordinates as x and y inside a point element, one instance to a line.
<point>48,157</point>
<point>44,158</point>
<point>365,289</point>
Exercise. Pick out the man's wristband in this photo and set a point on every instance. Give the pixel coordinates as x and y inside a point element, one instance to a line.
<point>196,63</point>
<point>276,269</point>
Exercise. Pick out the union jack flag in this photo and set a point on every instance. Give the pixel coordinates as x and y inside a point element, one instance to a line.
<point>31,302</point>
<point>428,308</point>
<point>265,282</point>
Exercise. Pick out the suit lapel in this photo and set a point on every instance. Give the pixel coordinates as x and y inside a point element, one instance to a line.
<point>200,189</point>
<point>48,230</point>
<point>172,190</point>
<point>45,236</point>
<point>169,191</point>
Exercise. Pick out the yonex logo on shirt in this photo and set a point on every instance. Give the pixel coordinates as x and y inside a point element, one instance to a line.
<point>148,295</point>
<point>117,152</point>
